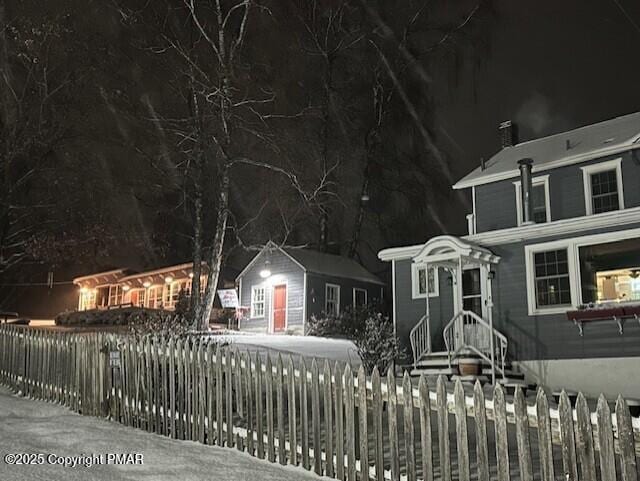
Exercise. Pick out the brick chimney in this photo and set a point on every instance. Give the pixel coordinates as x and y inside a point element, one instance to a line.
<point>508,134</point>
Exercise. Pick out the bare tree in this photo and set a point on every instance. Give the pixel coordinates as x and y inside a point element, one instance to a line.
<point>35,89</point>
<point>227,125</point>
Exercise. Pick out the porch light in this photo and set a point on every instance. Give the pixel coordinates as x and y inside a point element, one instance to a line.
<point>83,290</point>
<point>146,284</point>
<point>190,275</point>
<point>266,271</point>
<point>125,288</point>
<point>491,275</point>
<point>168,279</point>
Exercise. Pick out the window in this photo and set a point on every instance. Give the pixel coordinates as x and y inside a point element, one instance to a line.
<point>332,300</point>
<point>610,272</point>
<point>154,297</point>
<point>140,302</point>
<point>540,204</point>
<point>359,297</point>
<point>552,278</point>
<point>115,295</point>
<point>590,270</point>
<point>603,187</point>
<point>419,281</point>
<point>257,301</point>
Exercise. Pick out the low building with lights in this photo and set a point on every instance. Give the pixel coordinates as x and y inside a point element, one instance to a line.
<point>281,288</point>
<point>154,289</point>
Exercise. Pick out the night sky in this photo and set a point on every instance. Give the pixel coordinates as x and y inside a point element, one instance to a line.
<point>553,66</point>
<point>547,65</point>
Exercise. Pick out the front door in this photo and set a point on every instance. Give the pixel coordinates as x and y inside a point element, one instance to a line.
<point>279,308</point>
<point>472,291</point>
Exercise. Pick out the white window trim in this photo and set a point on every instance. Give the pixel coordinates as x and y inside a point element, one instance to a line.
<point>326,297</point>
<point>573,252</point>
<point>541,179</point>
<point>415,282</point>
<point>589,170</point>
<point>264,301</point>
<point>366,294</point>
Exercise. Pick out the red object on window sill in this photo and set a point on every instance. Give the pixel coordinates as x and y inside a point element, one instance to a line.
<point>596,314</point>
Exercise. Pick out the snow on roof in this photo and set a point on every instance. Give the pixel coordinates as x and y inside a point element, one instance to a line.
<point>597,140</point>
<point>331,265</point>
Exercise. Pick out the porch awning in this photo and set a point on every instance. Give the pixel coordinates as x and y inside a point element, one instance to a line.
<point>446,248</point>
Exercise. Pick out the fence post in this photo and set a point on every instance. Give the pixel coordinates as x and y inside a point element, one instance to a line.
<point>605,440</point>
<point>291,408</point>
<point>328,419</point>
<point>350,422</point>
<point>545,442</point>
<point>443,430</point>
<point>409,440</point>
<point>315,417</point>
<point>522,435</point>
<point>425,429</point>
<point>304,415</point>
<point>339,423</point>
<point>585,440</point>
<point>502,443</point>
<point>567,438</point>
<point>363,424</point>
<point>376,414</point>
<point>280,411</point>
<point>626,442</point>
<point>462,440</point>
<point>271,452</point>
<point>392,414</point>
<point>482,449</point>
<point>259,419</point>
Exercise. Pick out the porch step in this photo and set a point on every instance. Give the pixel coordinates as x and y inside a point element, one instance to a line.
<point>434,371</point>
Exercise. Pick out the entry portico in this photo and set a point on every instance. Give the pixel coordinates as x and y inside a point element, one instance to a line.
<point>469,267</point>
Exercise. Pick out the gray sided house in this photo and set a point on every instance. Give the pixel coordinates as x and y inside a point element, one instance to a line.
<point>548,275</point>
<point>281,288</point>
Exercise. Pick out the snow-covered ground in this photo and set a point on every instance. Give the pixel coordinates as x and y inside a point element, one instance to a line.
<point>37,427</point>
<point>333,349</point>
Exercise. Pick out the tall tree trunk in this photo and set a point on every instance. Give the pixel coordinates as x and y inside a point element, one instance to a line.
<point>357,228</point>
<point>196,304</point>
<point>215,259</point>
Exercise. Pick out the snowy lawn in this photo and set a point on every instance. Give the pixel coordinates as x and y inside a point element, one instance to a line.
<point>35,427</point>
<point>309,346</point>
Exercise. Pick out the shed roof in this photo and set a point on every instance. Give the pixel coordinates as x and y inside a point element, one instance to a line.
<point>331,265</point>
<point>597,140</point>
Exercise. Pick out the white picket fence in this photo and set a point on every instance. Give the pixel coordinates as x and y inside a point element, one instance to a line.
<point>321,415</point>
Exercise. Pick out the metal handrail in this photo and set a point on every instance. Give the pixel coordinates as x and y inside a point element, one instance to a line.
<point>419,337</point>
<point>474,342</point>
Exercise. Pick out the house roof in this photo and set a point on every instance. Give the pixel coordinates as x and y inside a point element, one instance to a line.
<point>331,265</point>
<point>579,145</point>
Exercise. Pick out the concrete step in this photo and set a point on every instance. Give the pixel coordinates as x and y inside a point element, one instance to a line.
<point>444,371</point>
<point>470,379</point>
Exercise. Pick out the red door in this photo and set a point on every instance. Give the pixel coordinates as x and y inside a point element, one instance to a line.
<point>279,308</point>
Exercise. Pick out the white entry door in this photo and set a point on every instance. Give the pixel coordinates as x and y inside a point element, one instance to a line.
<point>471,296</point>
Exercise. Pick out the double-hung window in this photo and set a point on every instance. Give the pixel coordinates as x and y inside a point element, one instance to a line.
<point>603,187</point>
<point>359,297</point>
<point>257,301</point>
<point>540,208</point>
<point>421,280</point>
<point>552,278</point>
<point>332,300</point>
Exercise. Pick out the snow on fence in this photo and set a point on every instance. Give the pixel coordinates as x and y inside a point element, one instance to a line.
<point>320,416</point>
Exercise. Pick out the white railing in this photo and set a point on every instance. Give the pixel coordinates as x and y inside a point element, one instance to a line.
<point>419,338</point>
<point>467,331</point>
